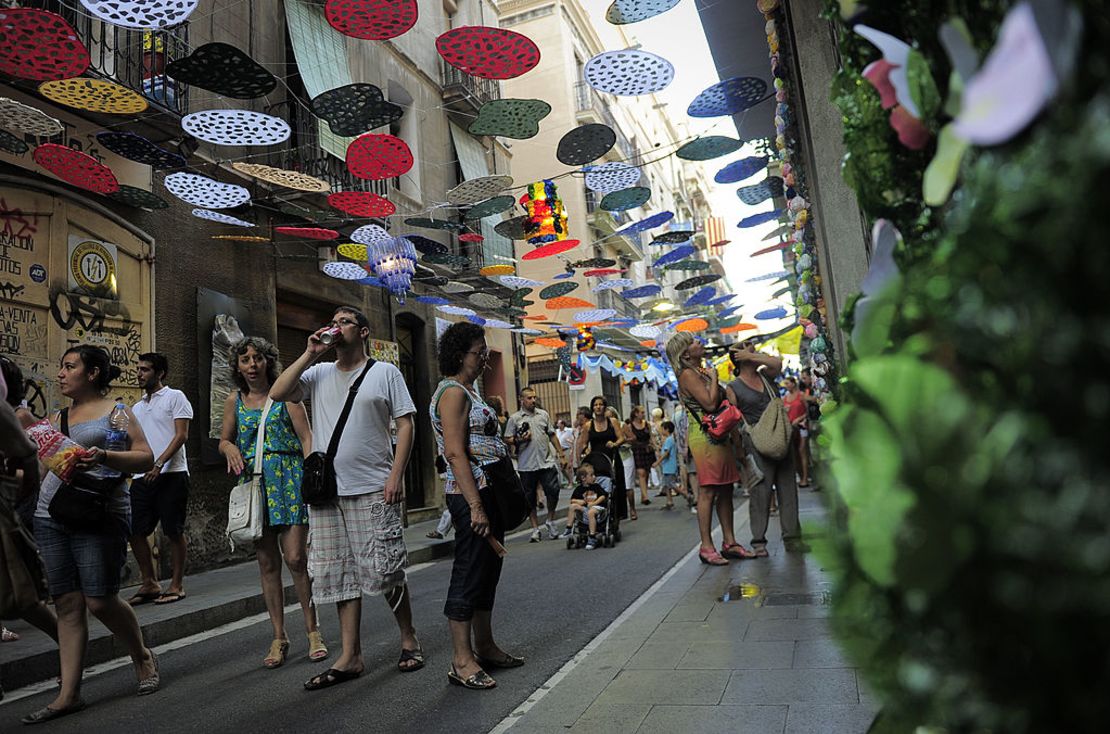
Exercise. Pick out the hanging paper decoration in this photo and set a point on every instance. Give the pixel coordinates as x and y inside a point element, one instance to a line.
<point>768,276</point>
<point>282,177</point>
<point>708,148</point>
<point>757,219</point>
<point>12,144</point>
<point>448,260</point>
<point>22,118</point>
<point>557,304</point>
<point>735,328</point>
<point>551,341</point>
<point>585,144</point>
<point>608,285</point>
<point>593,262</point>
<point>558,289</point>
<point>516,282</point>
<point>644,291</point>
<point>773,248</point>
<point>679,253</point>
<point>139,149</point>
<point>442,225</point>
<point>728,97</point>
<point>498,324</point>
<point>674,237</point>
<point>519,298</point>
<point>345,270</point>
<point>478,189</point>
<point>772,313</point>
<point>601,272</point>
<point>455,310</point>
<point>628,73</point>
<point>473,237</point>
<point>594,316</point>
<point>625,199</point>
<point>427,246</point>
<point>40,46</point>
<point>760,192</point>
<point>634,11</point>
<point>722,300</point>
<point>377,157</point>
<point>138,198</point>
<point>492,271</point>
<point>223,69</point>
<point>236,127</point>
<point>526,331</point>
<point>393,263</point>
<point>688,265</point>
<point>697,281</point>
<point>518,119</point>
<point>352,251</point>
<point>701,298</point>
<point>489,207</point>
<point>455,286</point>
<point>93,95</point>
<point>241,237</point>
<point>549,250</point>
<point>362,204</point>
<point>369,234</point>
<point>432,300</point>
<point>142,14</point>
<point>308,233</point>
<point>202,191</point>
<point>585,340</point>
<point>354,109</point>
<point>489,53</point>
<point>728,311</point>
<point>220,217</point>
<point>739,170</point>
<point>646,331</point>
<point>76,168</point>
<point>546,220</point>
<point>655,220</point>
<point>612,176</point>
<point>487,301</point>
<point>692,325</point>
<point>562,276</point>
<point>371,20</point>
<point>512,229</point>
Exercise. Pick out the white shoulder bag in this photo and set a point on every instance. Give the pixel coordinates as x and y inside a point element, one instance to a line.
<point>244,506</point>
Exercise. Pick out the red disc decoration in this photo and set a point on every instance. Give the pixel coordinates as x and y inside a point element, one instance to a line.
<point>362,204</point>
<point>772,248</point>
<point>471,237</point>
<point>39,45</point>
<point>548,250</point>
<point>377,157</point>
<point>490,53</point>
<point>308,233</point>
<point>602,271</point>
<point>372,20</point>
<point>76,168</point>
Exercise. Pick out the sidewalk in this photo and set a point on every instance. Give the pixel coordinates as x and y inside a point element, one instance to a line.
<point>214,598</point>
<point>684,660</point>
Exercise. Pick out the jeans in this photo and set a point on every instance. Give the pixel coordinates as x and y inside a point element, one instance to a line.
<point>477,568</point>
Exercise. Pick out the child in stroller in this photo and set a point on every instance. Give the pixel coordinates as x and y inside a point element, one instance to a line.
<point>589,511</point>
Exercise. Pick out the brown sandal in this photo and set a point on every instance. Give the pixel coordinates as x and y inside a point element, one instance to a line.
<point>276,657</point>
<point>317,650</point>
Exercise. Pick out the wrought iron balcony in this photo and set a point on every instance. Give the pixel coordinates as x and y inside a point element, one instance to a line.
<point>465,93</point>
<point>132,58</point>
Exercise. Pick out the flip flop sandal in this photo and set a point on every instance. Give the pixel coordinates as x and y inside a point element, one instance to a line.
<point>509,661</point>
<point>48,714</point>
<point>151,685</point>
<point>329,678</point>
<point>144,597</point>
<point>275,658</point>
<point>9,636</point>
<point>407,655</point>
<point>170,597</point>
<point>480,681</point>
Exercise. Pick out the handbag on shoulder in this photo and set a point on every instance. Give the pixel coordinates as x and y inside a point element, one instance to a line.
<point>718,425</point>
<point>319,486</point>
<point>771,433</point>
<point>244,505</point>
<point>81,504</point>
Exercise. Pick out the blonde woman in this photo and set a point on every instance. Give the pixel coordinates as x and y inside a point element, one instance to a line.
<point>700,393</point>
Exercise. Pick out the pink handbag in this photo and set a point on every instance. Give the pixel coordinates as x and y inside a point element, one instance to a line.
<point>718,425</point>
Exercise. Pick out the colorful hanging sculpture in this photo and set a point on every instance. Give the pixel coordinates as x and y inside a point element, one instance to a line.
<point>546,220</point>
<point>586,340</point>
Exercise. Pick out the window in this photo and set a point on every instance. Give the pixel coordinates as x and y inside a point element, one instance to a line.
<point>408,129</point>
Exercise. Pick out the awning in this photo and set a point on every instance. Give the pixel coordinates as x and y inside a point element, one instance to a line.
<point>321,54</point>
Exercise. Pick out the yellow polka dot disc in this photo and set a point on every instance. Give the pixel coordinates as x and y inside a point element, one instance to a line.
<point>491,270</point>
<point>353,251</point>
<point>93,95</point>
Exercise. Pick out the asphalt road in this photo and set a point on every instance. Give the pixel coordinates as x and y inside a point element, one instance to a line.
<point>551,603</point>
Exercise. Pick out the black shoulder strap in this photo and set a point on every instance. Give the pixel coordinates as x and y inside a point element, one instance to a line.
<point>333,445</point>
<point>64,416</point>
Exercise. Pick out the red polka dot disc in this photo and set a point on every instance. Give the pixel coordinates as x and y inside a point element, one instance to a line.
<point>378,157</point>
<point>373,20</point>
<point>39,45</point>
<point>490,53</point>
<point>76,168</point>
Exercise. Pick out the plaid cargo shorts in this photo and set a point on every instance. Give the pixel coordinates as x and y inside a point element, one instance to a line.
<point>355,546</point>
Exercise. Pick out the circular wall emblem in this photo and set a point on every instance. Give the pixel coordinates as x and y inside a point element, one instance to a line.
<point>92,267</point>
<point>38,273</point>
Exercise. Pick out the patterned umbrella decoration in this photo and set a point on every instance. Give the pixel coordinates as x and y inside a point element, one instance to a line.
<point>558,304</point>
<point>585,144</point>
<point>378,157</point>
<point>769,276</point>
<point>308,233</point>
<point>344,270</point>
<point>625,199</point>
<point>679,253</point>
<point>139,198</point>
<point>371,20</point>
<point>628,72</point>
<point>512,229</point>
<point>701,298</point>
<point>772,313</point>
<point>518,119</point>
<point>22,118</point>
<point>645,331</point>
<point>455,310</point>
<point>634,11</point>
<point>655,220</point>
<point>757,219</point>
<point>223,69</point>
<point>427,246</point>
<point>473,237</point>
<point>594,316</point>
<point>602,272</point>
<point>236,127</point>
<point>697,281</point>
<point>644,291</point>
<point>432,300</point>
<point>355,108</point>
<point>728,97</point>
<point>369,234</point>
<point>708,148</point>
<point>94,95</point>
<point>607,285</point>
<point>478,189</point>
<point>692,325</point>
<point>612,176</point>
<point>760,192</point>
<point>688,265</point>
<point>489,207</point>
<point>558,289</point>
<point>674,237</point>
<point>40,46</point>
<point>516,282</point>
<point>739,170</point>
<point>282,177</point>
<point>76,168</point>
<point>137,148</point>
<point>12,144</point>
<point>489,53</point>
<point>221,218</point>
<point>554,248</point>
<point>362,204</point>
<point>142,14</point>
<point>443,225</point>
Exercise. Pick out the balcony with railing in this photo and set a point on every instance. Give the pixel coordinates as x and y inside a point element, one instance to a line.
<point>465,93</point>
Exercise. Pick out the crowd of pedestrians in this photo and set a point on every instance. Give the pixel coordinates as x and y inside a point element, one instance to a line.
<point>130,467</point>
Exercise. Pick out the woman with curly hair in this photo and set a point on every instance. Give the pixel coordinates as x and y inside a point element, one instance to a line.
<point>468,437</point>
<point>287,440</point>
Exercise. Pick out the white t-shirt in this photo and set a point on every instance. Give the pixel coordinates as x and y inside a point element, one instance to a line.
<point>156,415</point>
<point>566,438</point>
<point>365,454</point>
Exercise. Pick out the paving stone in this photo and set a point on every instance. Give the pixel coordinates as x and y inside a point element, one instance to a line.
<point>815,611</point>
<point>731,719</point>
<point>829,719</point>
<point>738,655</point>
<point>832,685</point>
<point>692,611</point>
<point>612,718</point>
<point>787,629</point>
<point>698,687</point>
<point>819,653</point>
<point>658,656</point>
<point>697,632</point>
<point>747,610</point>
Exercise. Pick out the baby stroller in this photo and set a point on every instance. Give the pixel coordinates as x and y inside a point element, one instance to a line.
<point>610,534</point>
<point>580,531</point>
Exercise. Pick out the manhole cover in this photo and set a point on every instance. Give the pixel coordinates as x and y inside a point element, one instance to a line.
<point>803,600</point>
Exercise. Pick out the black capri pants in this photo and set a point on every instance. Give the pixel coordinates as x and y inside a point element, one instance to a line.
<point>477,568</point>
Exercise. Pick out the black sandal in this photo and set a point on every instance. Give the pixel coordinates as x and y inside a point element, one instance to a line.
<point>329,678</point>
<point>509,661</point>
<point>480,681</point>
<point>48,714</point>
<point>407,655</point>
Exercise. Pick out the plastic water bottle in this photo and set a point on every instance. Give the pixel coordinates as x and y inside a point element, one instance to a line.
<point>118,421</point>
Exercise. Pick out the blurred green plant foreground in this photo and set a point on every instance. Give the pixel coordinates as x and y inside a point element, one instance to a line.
<point>969,449</point>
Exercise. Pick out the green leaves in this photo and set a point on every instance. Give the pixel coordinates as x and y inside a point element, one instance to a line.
<point>923,88</point>
<point>942,173</point>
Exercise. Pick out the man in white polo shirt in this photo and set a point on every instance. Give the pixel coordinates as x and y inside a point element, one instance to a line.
<point>161,494</point>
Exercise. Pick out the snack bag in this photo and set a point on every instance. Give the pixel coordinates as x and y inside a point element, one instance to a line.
<point>57,451</point>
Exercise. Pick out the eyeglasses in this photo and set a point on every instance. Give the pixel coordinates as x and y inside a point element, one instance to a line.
<point>482,353</point>
<point>343,322</point>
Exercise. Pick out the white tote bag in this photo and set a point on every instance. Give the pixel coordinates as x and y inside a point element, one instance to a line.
<point>244,506</point>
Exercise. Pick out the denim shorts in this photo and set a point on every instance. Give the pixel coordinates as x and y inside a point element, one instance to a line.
<point>82,562</point>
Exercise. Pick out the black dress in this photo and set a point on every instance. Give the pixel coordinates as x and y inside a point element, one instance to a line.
<point>613,468</point>
<point>643,456</point>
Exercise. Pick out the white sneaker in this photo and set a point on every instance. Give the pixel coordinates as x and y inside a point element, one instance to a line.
<point>567,532</point>
<point>551,531</point>
<point>535,536</point>
<point>694,510</point>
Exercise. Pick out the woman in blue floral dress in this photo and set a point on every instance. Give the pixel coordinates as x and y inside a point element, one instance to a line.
<point>287,440</point>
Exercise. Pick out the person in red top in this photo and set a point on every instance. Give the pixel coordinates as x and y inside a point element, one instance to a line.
<point>796,412</point>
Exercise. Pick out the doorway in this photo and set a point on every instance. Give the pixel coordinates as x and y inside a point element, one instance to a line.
<point>412,352</point>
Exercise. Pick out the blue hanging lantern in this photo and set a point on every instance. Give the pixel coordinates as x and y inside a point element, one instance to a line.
<point>393,262</point>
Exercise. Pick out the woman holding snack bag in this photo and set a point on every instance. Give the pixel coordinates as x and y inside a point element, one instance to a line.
<point>82,520</point>
<point>468,436</point>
